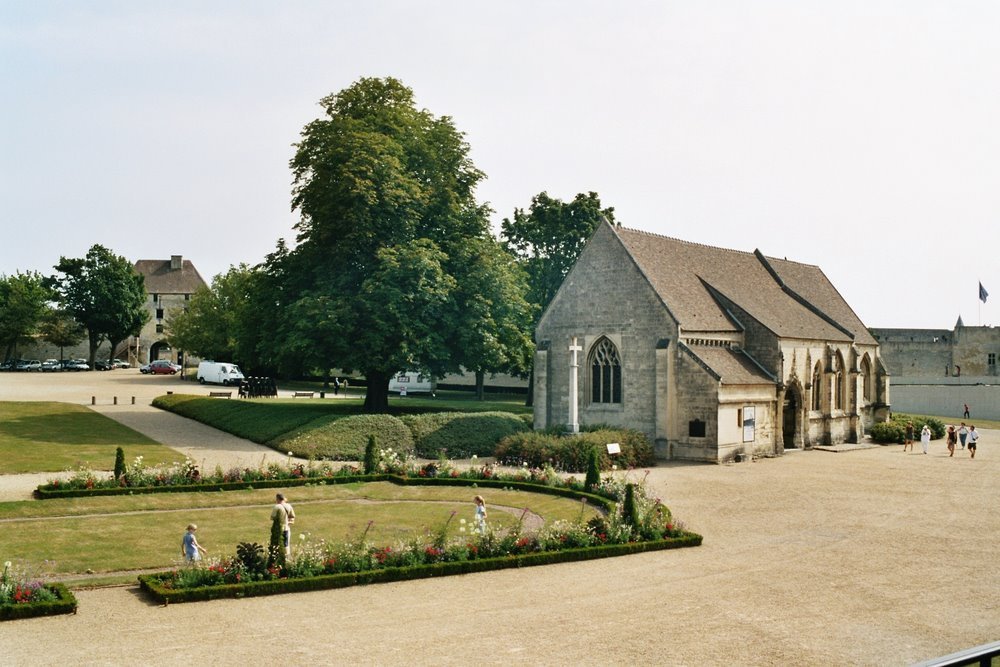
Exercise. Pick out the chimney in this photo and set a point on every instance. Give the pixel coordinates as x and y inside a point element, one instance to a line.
<point>176,262</point>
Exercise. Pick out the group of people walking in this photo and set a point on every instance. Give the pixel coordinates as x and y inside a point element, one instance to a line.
<point>968,436</point>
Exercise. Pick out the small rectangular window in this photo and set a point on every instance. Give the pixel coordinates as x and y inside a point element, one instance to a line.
<point>159,313</point>
<point>696,428</point>
<point>992,359</point>
<point>159,328</point>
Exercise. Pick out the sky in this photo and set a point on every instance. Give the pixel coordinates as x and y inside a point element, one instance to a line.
<point>860,136</point>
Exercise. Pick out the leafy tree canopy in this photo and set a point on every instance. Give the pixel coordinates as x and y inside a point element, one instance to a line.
<point>105,294</point>
<point>379,280</point>
<point>23,305</point>
<point>549,237</point>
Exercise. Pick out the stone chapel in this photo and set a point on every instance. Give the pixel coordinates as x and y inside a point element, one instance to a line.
<point>713,353</point>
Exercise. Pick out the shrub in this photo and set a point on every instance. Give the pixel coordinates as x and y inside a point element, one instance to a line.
<point>371,456</point>
<point>119,463</point>
<point>345,439</point>
<point>570,452</point>
<point>593,470</point>
<point>462,435</point>
<point>894,430</point>
<point>888,432</point>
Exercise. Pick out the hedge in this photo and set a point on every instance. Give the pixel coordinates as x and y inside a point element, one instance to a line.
<point>462,434</point>
<point>345,438</point>
<point>47,494</point>
<point>569,452</point>
<point>151,583</point>
<point>65,604</point>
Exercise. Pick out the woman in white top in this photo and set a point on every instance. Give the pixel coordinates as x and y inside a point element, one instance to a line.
<point>925,437</point>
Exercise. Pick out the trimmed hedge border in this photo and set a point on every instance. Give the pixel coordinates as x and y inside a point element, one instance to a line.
<point>66,604</point>
<point>599,501</point>
<point>151,583</point>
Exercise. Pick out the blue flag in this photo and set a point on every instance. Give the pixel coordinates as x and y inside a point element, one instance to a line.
<point>983,293</point>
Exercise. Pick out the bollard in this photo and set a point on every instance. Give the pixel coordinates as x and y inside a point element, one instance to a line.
<point>115,401</point>
<point>322,394</point>
<point>93,400</point>
<point>133,400</point>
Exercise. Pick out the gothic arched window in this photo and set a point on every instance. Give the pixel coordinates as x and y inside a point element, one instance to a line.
<point>838,388</point>
<point>605,373</point>
<point>817,387</point>
<point>866,379</point>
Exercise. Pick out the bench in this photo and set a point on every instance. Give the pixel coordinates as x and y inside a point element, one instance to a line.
<point>220,394</point>
<point>303,394</point>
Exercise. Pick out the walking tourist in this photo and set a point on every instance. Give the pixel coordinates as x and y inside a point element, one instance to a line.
<point>973,438</point>
<point>963,432</point>
<point>925,438</point>
<point>966,413</point>
<point>480,515</point>
<point>283,512</point>
<point>908,437</point>
<point>190,548</point>
<point>952,440</point>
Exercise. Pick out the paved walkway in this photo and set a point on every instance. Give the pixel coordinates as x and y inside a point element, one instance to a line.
<point>870,557</point>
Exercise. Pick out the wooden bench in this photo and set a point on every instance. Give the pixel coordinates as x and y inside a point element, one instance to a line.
<point>303,394</point>
<point>220,394</point>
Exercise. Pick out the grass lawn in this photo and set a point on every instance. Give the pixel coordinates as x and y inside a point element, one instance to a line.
<point>52,437</point>
<point>144,531</point>
<point>265,419</point>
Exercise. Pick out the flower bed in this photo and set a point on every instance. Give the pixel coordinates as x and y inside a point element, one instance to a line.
<point>24,596</point>
<point>161,586</point>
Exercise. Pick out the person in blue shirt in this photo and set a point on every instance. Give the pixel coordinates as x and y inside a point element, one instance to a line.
<point>190,548</point>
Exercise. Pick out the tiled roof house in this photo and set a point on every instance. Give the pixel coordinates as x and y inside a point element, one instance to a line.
<point>169,286</point>
<point>712,352</point>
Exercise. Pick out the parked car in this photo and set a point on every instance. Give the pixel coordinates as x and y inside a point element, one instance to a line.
<point>102,365</point>
<point>119,363</point>
<point>219,373</point>
<point>51,365</point>
<point>29,365</point>
<point>76,365</point>
<point>160,367</point>
<point>8,365</point>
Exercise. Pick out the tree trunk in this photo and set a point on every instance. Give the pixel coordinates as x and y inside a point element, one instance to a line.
<point>95,342</point>
<point>480,379</point>
<point>377,396</point>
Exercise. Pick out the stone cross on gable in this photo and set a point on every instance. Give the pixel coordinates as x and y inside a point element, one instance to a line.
<point>574,368</point>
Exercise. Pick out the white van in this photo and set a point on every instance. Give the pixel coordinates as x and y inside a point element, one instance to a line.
<point>411,382</point>
<point>218,372</point>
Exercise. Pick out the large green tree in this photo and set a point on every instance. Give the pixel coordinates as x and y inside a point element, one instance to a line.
<point>386,193</point>
<point>23,305</point>
<point>218,318</point>
<point>61,329</point>
<point>103,293</point>
<point>547,239</point>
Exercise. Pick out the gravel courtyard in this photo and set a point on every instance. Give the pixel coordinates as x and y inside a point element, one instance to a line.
<point>861,557</point>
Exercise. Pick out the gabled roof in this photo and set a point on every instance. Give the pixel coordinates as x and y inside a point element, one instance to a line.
<point>161,279</point>
<point>731,365</point>
<point>792,300</point>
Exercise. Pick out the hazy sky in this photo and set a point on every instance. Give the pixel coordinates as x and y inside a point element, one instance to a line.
<point>860,136</point>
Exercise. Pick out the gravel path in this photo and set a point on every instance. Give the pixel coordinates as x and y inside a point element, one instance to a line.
<point>863,557</point>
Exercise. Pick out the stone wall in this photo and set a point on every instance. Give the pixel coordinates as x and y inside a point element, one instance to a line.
<point>947,400</point>
<point>604,295</point>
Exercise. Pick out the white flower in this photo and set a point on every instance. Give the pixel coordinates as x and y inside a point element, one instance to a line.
<point>474,457</point>
<point>614,467</point>
<point>302,536</point>
<point>462,521</point>
<point>525,464</point>
<point>461,529</point>
<point>289,453</point>
<point>6,565</point>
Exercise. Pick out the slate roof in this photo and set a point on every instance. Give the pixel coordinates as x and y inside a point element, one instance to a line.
<point>161,279</point>
<point>732,366</point>
<point>792,300</point>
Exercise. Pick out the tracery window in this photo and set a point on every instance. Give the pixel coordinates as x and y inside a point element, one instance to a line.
<point>866,377</point>
<point>817,387</point>
<point>605,373</point>
<point>838,389</point>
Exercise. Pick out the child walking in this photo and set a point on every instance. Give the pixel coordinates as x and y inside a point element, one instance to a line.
<point>480,515</point>
<point>190,548</point>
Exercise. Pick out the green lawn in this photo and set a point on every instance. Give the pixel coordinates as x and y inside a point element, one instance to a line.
<point>144,531</point>
<point>52,437</point>
<point>265,419</point>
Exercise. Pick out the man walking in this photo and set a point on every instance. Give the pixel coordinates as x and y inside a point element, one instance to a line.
<point>285,515</point>
<point>973,438</point>
<point>966,413</point>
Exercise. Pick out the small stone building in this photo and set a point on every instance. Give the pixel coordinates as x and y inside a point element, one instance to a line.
<point>169,286</point>
<point>711,352</point>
